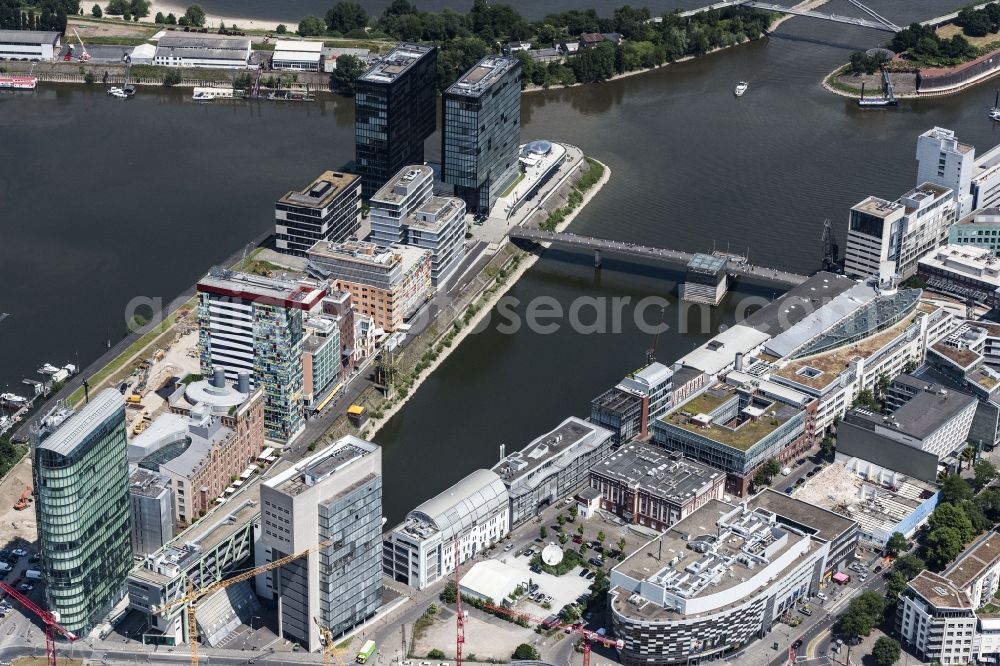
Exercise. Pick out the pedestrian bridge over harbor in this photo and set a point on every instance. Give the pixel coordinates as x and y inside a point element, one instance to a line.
<point>877,22</point>
<point>736,267</point>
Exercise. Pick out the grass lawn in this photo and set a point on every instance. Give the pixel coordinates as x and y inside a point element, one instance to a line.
<point>948,30</point>
<point>520,177</point>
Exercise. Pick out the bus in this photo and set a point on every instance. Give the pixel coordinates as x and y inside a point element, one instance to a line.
<point>367,650</point>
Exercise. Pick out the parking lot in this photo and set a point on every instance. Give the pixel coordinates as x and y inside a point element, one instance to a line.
<point>558,591</point>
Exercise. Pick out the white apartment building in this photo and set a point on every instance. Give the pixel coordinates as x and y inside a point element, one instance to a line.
<point>474,512</point>
<point>333,497</point>
<point>389,207</point>
<point>885,238</point>
<point>937,614</point>
<point>438,225</point>
<point>943,160</point>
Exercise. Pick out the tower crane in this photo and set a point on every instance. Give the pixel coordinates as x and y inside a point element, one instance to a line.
<point>460,619</point>
<point>329,649</point>
<point>50,620</point>
<point>193,596</point>
<point>587,635</point>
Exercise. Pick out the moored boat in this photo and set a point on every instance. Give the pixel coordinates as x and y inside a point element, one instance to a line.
<point>18,82</point>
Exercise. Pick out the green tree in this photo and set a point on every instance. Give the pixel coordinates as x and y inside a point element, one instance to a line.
<point>886,651</point>
<point>579,530</point>
<point>862,615</point>
<point>985,472</point>
<point>968,455</point>
<point>435,654</point>
<point>449,594</point>
<point>195,15</point>
<point>543,532</point>
<point>976,516</point>
<point>989,501</point>
<point>311,26</point>
<point>896,544</point>
<point>943,545</point>
<point>766,472</point>
<point>621,547</point>
<point>601,536</point>
<point>950,516</point>
<point>159,18</point>
<point>574,511</point>
<point>895,585</point>
<point>96,12</point>
<point>89,77</point>
<point>281,29</point>
<point>346,73</point>
<point>909,565</point>
<point>344,17</point>
<point>139,8</point>
<point>171,19</point>
<point>570,613</point>
<point>525,652</point>
<point>955,489</point>
<point>561,519</point>
<point>826,446</point>
<point>172,78</point>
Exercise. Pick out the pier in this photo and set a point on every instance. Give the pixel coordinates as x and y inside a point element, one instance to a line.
<point>735,267</point>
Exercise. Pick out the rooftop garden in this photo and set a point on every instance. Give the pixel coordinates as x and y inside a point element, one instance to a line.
<point>743,436</point>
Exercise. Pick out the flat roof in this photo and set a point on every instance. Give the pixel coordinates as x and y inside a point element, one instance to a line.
<point>826,525</point>
<point>194,40</point>
<point>878,207</point>
<point>396,63</point>
<point>707,263</point>
<point>312,470</point>
<point>74,429</point>
<point>369,254</point>
<point>482,76</point>
<point>921,415</point>
<point>40,36</point>
<point>939,591</point>
<point>974,560</point>
<point>742,433</point>
<point>441,210</point>
<point>146,483</point>
<point>318,194</point>
<point>658,472</point>
<point>820,315</point>
<point>516,467</point>
<point>273,291</point>
<point>402,184</point>
<point>298,45</point>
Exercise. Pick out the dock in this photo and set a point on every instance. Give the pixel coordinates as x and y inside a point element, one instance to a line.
<point>735,267</point>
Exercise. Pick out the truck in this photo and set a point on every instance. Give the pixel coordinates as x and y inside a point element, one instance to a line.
<point>367,650</point>
<point>33,574</point>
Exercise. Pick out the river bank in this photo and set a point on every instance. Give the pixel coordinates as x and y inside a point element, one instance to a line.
<point>831,84</point>
<point>213,20</point>
<point>805,4</point>
<point>484,307</point>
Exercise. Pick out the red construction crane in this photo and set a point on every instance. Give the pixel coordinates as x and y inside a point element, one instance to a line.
<point>461,619</point>
<point>51,621</point>
<point>587,635</point>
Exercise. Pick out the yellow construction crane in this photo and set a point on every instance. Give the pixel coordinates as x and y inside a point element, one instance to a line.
<point>193,595</point>
<point>329,649</point>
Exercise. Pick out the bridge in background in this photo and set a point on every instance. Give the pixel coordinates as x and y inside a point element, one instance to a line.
<point>736,266</point>
<point>877,22</point>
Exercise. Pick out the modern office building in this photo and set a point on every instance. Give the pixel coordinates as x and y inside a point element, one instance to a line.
<point>551,467</point>
<point>475,512</point>
<point>333,497</point>
<point>252,323</point>
<point>404,212</point>
<point>297,55</point>
<point>81,485</point>
<point>706,279</point>
<point>327,210</point>
<point>944,617</point>
<point>627,409</point>
<point>339,304</point>
<point>189,49</point>
<point>945,161</point>
<point>969,273</point>
<point>981,229</point>
<point>913,439</point>
<point>722,578</point>
<point>738,425</point>
<point>395,109</point>
<point>31,44</point>
<point>647,486</point>
<point>387,284</point>
<point>321,357</point>
<point>396,200</point>
<point>889,238</point>
<point>481,131</point>
<point>151,505</point>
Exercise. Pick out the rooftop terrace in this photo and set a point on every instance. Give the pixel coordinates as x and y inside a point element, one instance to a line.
<point>322,191</point>
<point>482,76</point>
<point>396,63</point>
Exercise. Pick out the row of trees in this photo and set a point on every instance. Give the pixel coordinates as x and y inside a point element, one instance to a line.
<point>464,39</point>
<point>50,15</point>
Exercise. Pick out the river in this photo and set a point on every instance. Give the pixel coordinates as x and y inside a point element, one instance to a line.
<point>105,201</point>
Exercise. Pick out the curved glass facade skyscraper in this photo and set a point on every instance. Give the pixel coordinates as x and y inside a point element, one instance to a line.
<point>80,471</point>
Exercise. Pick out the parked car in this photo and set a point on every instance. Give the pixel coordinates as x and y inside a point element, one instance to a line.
<point>590,575</point>
<point>797,644</point>
<point>19,552</point>
<point>577,539</point>
<point>509,547</point>
<point>788,490</point>
<point>822,596</point>
<point>596,561</point>
<point>583,573</point>
<point>805,611</point>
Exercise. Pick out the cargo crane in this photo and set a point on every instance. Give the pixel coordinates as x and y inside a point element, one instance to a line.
<point>50,620</point>
<point>193,596</point>
<point>587,635</point>
<point>84,56</point>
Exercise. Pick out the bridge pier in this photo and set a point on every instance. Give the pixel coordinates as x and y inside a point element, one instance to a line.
<point>597,258</point>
